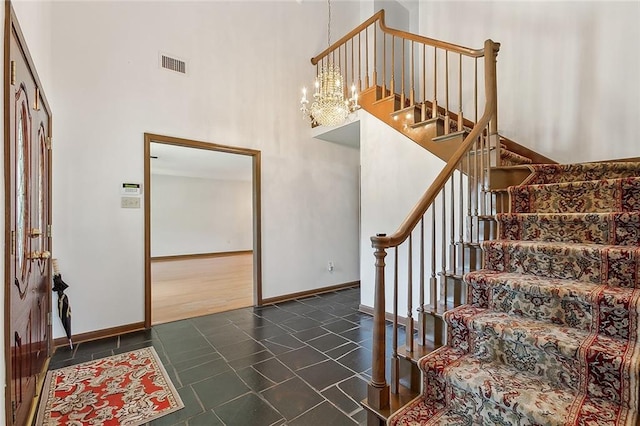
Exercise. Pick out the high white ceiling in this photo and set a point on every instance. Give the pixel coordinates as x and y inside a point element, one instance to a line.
<point>201,163</point>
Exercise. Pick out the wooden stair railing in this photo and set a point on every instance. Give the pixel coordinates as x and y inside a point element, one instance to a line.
<point>438,242</point>
<point>458,200</point>
<point>448,223</point>
<point>423,87</point>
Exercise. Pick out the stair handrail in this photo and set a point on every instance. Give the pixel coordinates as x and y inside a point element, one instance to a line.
<point>378,389</point>
<point>379,16</point>
<point>434,189</point>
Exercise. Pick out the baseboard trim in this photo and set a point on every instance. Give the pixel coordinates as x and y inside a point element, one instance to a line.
<point>200,255</point>
<point>99,334</point>
<point>300,295</point>
<point>387,315</point>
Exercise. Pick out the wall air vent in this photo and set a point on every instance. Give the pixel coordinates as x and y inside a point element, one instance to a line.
<point>173,64</point>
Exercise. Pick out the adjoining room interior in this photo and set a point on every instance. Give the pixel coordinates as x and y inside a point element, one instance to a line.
<point>201,231</point>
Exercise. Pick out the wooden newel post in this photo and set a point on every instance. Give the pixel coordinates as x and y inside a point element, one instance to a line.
<point>378,389</point>
<point>491,49</point>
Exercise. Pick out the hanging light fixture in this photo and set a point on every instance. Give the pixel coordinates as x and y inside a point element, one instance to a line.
<point>329,107</point>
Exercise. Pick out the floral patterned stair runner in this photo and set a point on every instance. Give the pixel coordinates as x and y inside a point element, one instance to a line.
<point>510,158</point>
<point>551,333</point>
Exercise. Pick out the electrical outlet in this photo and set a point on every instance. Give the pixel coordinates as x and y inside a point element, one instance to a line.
<point>330,266</point>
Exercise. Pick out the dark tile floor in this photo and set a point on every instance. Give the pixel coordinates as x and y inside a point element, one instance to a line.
<point>302,362</point>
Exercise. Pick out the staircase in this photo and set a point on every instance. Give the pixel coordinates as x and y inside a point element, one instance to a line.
<point>551,332</point>
<point>513,278</point>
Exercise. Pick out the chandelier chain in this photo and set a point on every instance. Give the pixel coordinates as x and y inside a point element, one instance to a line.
<point>329,23</point>
<point>329,106</point>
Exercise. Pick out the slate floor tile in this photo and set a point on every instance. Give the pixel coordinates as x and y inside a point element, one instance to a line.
<point>340,399</point>
<point>327,342</point>
<point>358,360</point>
<point>247,410</point>
<point>355,387</point>
<point>207,418</point>
<point>274,370</point>
<point>309,334</point>
<point>341,350</point>
<point>203,371</point>
<point>250,359</point>
<point>240,350</point>
<point>219,389</point>
<point>324,374</point>
<point>300,324</point>
<point>301,358</point>
<point>292,398</point>
<point>323,414</point>
<point>247,367</point>
<point>254,379</point>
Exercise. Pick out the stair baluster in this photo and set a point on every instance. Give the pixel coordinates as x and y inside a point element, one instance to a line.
<point>466,155</point>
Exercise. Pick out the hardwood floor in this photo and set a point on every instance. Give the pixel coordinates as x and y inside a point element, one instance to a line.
<point>190,288</point>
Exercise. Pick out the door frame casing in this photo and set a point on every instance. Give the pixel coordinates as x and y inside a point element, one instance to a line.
<point>12,26</point>
<point>257,210</point>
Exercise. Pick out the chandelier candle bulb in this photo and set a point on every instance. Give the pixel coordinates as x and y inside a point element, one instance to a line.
<point>329,106</point>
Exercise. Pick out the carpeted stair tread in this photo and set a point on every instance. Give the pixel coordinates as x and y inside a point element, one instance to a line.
<point>551,334</point>
<point>595,196</point>
<point>510,158</point>
<point>556,173</point>
<point>615,228</point>
<point>554,352</point>
<point>418,409</point>
<point>497,390</point>
<point>593,263</point>
<point>562,302</point>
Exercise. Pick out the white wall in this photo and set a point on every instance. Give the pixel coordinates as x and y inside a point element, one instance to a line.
<point>395,173</point>
<point>246,64</point>
<point>196,215</point>
<point>568,83</point>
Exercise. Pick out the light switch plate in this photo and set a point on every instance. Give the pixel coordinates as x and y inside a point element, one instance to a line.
<point>130,202</point>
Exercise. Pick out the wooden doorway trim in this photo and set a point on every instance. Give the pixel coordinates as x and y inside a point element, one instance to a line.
<point>257,211</point>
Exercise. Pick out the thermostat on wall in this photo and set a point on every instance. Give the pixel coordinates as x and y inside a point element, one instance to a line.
<point>131,189</point>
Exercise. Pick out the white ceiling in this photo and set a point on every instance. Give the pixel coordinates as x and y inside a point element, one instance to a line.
<point>201,163</point>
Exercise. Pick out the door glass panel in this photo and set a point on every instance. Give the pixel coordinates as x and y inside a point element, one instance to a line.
<point>41,191</point>
<point>21,197</point>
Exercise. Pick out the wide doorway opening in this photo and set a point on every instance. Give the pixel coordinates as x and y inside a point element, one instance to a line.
<point>202,228</point>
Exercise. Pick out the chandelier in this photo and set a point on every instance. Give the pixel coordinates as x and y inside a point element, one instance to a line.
<point>329,107</point>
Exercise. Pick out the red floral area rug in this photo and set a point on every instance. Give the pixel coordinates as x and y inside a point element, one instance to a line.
<point>127,389</point>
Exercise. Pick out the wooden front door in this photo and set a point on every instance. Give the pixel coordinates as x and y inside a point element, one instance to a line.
<point>28,242</point>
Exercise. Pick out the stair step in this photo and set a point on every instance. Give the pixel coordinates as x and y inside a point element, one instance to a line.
<point>396,401</point>
<point>510,158</point>
<point>617,266</point>
<point>457,134</point>
<point>503,395</point>
<point>411,114</point>
<point>502,177</point>
<point>607,310</point>
<point>596,196</point>
<point>559,173</point>
<point>594,228</point>
<point>559,354</point>
<point>551,332</point>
